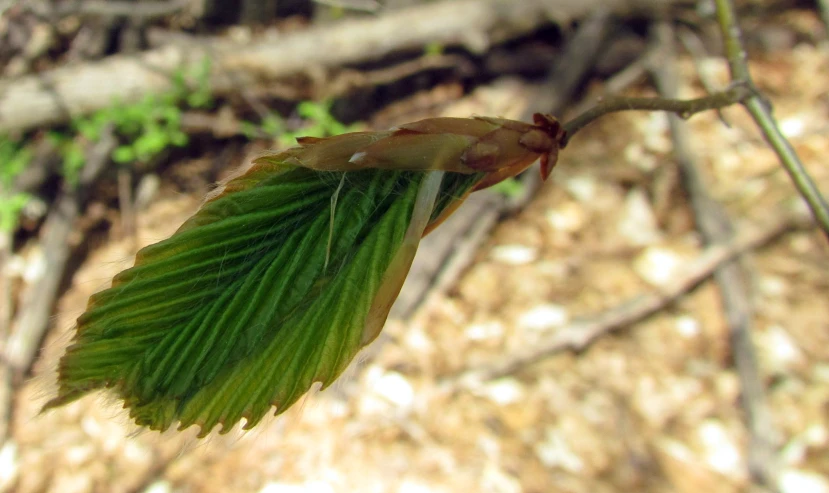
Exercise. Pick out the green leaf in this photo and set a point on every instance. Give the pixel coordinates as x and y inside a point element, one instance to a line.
<point>273,125</point>
<point>13,160</point>
<point>249,129</point>
<point>73,162</point>
<point>10,208</point>
<point>435,48</point>
<point>90,128</point>
<point>267,289</point>
<point>509,188</point>
<point>179,138</point>
<point>123,154</point>
<point>199,99</point>
<point>153,141</point>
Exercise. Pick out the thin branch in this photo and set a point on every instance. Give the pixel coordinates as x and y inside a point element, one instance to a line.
<point>715,226</point>
<point>6,311</point>
<point>761,113</point>
<point>685,108</point>
<point>580,335</point>
<point>791,162</point>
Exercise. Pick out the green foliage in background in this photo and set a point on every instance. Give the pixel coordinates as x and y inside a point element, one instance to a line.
<point>13,160</point>
<point>72,154</point>
<point>435,48</point>
<point>510,188</point>
<point>146,128</point>
<point>153,124</point>
<point>317,116</point>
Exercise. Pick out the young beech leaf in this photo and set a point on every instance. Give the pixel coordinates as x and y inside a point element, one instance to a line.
<point>279,280</point>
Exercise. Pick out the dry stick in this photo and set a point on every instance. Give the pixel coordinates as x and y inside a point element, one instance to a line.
<point>39,296</point>
<point>349,80</point>
<point>112,8</point>
<point>6,401</point>
<point>760,112</point>
<point>56,95</point>
<point>580,335</point>
<point>6,304</point>
<point>126,204</point>
<point>6,298</point>
<point>715,226</point>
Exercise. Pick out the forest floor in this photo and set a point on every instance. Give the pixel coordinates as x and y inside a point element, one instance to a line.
<point>651,407</point>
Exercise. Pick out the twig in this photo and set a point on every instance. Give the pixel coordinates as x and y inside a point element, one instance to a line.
<point>219,126</point>
<point>685,108</point>
<point>760,112</point>
<point>6,310</point>
<point>126,203</point>
<point>6,298</point>
<point>348,80</point>
<point>580,335</point>
<point>40,295</point>
<point>715,226</point>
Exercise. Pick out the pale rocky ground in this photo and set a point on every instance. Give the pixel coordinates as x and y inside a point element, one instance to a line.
<point>651,408</point>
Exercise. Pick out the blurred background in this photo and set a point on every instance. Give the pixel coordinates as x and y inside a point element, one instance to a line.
<point>577,335</point>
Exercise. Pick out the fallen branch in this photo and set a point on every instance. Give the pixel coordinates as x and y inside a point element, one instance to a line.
<point>6,309</point>
<point>580,335</point>
<point>67,92</point>
<point>114,8</point>
<point>39,296</point>
<point>715,226</point>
